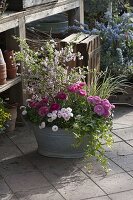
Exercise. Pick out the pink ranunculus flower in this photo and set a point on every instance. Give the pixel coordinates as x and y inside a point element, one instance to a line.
<point>38,105</point>
<point>62,96</point>
<point>106,104</point>
<point>82,92</point>
<point>73,88</point>
<point>43,111</point>
<point>44,100</point>
<point>94,100</point>
<point>81,84</point>
<point>54,106</point>
<point>99,109</point>
<point>107,113</point>
<point>32,104</point>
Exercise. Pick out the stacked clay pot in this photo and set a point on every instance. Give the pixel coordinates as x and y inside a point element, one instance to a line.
<point>10,64</point>
<point>3,72</point>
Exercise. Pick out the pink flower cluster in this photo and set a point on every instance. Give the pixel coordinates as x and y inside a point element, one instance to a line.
<point>77,88</point>
<point>102,107</point>
<point>42,106</point>
<point>61,95</point>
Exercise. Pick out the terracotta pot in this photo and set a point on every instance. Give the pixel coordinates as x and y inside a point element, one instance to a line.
<point>3,73</point>
<point>2,61</point>
<point>9,58</point>
<point>11,72</point>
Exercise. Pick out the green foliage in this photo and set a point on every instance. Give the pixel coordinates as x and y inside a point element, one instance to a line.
<point>4,116</point>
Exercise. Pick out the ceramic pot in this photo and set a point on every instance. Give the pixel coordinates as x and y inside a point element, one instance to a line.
<point>3,73</point>
<point>57,144</point>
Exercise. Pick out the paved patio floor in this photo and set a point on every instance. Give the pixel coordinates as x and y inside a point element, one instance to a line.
<point>26,175</point>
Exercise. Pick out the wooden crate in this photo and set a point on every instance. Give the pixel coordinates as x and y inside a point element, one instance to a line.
<point>89,47</point>
<point>17,5</point>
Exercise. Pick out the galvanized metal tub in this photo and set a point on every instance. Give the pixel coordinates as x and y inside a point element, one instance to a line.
<point>57,144</point>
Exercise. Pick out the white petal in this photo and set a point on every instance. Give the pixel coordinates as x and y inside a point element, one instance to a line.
<point>22,107</point>
<point>54,128</point>
<point>24,112</point>
<point>43,124</point>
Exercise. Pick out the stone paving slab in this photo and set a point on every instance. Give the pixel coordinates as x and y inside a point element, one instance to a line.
<point>100,198</point>
<point>8,197</point>
<point>18,165</point>
<point>119,149</point>
<point>130,142</point>
<point>115,183</point>
<point>126,162</point>
<point>128,195</point>
<point>96,170</point>
<point>117,126</point>
<point>8,152</point>
<point>4,189</point>
<point>125,134</point>
<point>26,181</point>
<point>79,190</point>
<point>46,193</point>
<point>116,138</point>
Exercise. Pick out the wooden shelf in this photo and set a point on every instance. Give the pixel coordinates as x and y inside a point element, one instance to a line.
<point>43,11</point>
<point>11,20</point>
<point>10,83</point>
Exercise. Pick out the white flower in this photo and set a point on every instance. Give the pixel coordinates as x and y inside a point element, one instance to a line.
<point>50,120</point>
<point>71,115</point>
<point>63,110</point>
<point>42,125</point>
<point>69,109</point>
<point>54,128</point>
<point>54,116</point>
<point>54,112</point>
<point>64,115</point>
<point>49,114</point>
<point>67,118</point>
<point>59,114</point>
<point>22,107</point>
<point>24,112</point>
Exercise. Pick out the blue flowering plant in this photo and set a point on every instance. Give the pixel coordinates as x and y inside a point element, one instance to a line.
<point>117,41</point>
<point>59,97</point>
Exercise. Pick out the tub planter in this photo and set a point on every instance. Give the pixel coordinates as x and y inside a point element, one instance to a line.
<point>57,144</point>
<point>54,24</point>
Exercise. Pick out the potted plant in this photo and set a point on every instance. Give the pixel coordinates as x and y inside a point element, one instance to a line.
<point>4,116</point>
<point>69,119</point>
